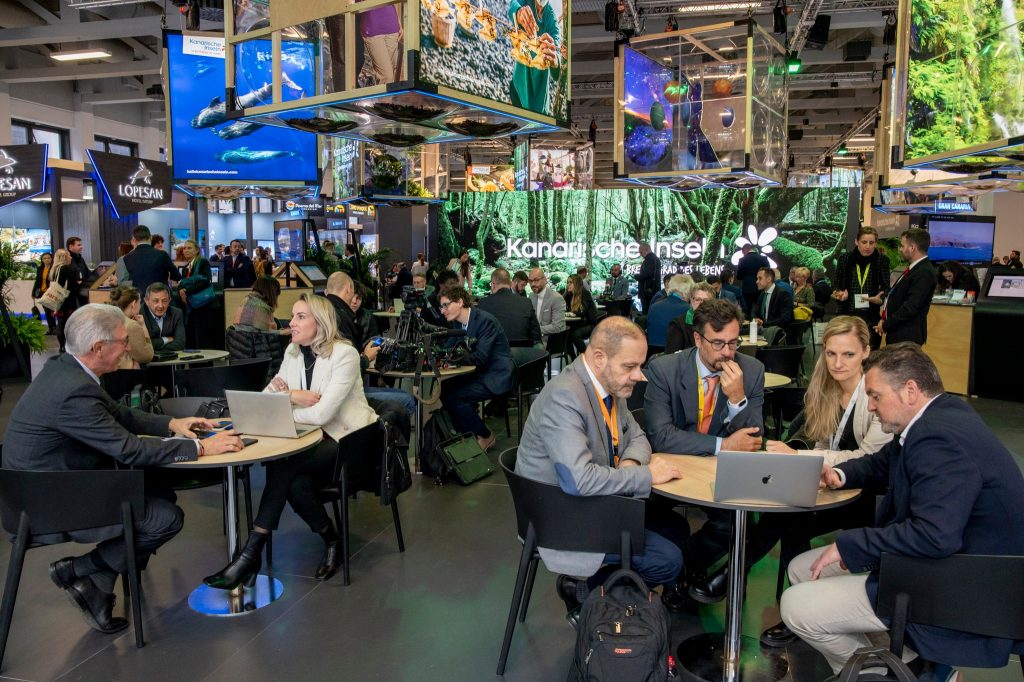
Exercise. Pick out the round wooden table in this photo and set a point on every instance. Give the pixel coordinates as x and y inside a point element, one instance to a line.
<point>772,380</point>
<point>760,343</point>
<point>215,602</point>
<point>446,373</point>
<point>386,313</point>
<point>185,358</point>
<point>715,655</point>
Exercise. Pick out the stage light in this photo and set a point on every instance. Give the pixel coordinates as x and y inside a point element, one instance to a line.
<point>842,151</point>
<point>793,63</point>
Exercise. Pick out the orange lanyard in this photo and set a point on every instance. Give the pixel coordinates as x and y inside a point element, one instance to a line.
<point>700,401</point>
<point>611,420</point>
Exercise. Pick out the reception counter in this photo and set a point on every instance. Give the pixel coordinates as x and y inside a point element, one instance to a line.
<point>950,341</point>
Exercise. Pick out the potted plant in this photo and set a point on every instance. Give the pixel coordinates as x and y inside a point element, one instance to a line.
<point>30,333</point>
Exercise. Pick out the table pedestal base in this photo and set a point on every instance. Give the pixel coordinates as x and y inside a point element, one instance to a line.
<point>701,658</point>
<point>213,602</point>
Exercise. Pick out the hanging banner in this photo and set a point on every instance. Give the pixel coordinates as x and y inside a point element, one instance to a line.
<point>22,172</point>
<point>132,184</point>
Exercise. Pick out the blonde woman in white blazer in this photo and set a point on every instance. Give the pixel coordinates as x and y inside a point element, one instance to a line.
<point>320,373</point>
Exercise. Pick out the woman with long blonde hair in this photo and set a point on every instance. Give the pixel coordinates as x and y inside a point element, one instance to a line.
<point>580,302</point>
<point>64,274</point>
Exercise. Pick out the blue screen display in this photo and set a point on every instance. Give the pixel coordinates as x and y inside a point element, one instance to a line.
<point>961,238</point>
<point>207,146</point>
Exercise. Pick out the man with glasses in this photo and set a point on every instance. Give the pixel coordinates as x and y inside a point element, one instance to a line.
<point>701,401</point>
<point>66,421</point>
<point>547,305</point>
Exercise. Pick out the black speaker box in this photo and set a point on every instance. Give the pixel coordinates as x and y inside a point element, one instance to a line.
<point>857,51</point>
<point>817,37</point>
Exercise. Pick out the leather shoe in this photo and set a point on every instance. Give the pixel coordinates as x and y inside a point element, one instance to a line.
<point>96,605</point>
<point>711,590</point>
<point>566,587</point>
<point>62,573</point>
<point>330,562</point>
<point>778,636</point>
<point>676,600</point>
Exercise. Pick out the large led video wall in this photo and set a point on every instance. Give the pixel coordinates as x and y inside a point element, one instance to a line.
<point>205,144</point>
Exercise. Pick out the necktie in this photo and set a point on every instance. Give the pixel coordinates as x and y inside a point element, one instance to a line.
<point>608,401</point>
<point>709,403</point>
<point>764,308</point>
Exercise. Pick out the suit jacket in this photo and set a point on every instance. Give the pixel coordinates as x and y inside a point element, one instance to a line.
<point>680,334</point>
<point>565,443</point>
<point>239,272</point>
<point>173,326</point>
<point>953,488</point>
<point>66,421</point>
<point>491,353</point>
<point>659,317</point>
<point>147,265</point>
<point>342,407</point>
<point>514,313</point>
<point>731,294</point>
<point>617,287</point>
<point>746,271</point>
<point>906,309</point>
<point>551,315</point>
<point>670,404</point>
<point>780,308</point>
<point>649,277</point>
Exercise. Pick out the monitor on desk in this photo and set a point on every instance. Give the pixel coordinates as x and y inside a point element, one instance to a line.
<point>1006,286</point>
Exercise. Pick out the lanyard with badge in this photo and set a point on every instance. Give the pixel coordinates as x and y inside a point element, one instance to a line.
<point>860,301</point>
<point>838,436</point>
<point>611,420</point>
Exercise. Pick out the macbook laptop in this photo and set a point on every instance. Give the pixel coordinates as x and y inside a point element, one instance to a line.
<point>254,413</point>
<point>767,478</point>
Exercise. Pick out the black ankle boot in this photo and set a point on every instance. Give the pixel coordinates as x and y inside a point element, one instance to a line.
<point>332,554</point>
<point>244,569</point>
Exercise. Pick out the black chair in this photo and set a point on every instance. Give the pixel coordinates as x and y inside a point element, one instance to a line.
<point>796,331</point>
<point>248,342</point>
<point>88,499</point>
<point>653,352</point>
<point>638,415</point>
<point>618,306</point>
<point>784,360</point>
<point>244,375</point>
<point>981,595</point>
<point>784,404</point>
<point>636,398</point>
<point>359,469</point>
<point>557,348</point>
<point>521,343</point>
<point>548,517</point>
<point>530,364</point>
<point>120,383</point>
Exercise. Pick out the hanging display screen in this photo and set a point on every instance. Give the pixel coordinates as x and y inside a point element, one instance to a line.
<point>647,112</point>
<point>205,144</point>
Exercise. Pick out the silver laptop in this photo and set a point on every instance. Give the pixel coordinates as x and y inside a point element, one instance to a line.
<point>767,478</point>
<point>254,413</point>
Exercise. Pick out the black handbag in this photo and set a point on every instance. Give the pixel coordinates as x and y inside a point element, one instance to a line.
<point>213,409</point>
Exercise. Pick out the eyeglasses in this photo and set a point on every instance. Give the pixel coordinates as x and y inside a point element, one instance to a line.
<point>444,306</point>
<point>719,344</point>
<point>536,279</point>
<point>123,342</point>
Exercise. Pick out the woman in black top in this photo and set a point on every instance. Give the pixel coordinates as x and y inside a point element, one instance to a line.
<point>862,278</point>
<point>579,302</point>
<point>202,323</point>
<point>952,275</point>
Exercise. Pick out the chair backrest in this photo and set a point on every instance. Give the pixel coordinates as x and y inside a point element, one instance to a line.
<point>570,522</point>
<point>636,398</point>
<point>183,407</point>
<point>246,342</point>
<point>121,382</point>
<point>784,360</point>
<point>558,342</point>
<point>530,366</point>
<point>971,593</point>
<point>361,452</point>
<point>748,350</point>
<point>250,375</point>
<point>638,415</point>
<point>787,401</point>
<point>774,335</point>
<point>619,306</point>
<point>88,499</point>
<point>521,343</point>
<point>797,330</point>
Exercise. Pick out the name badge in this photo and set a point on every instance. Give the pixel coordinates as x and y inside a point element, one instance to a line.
<point>860,301</point>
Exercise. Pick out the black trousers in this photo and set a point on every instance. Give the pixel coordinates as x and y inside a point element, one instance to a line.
<point>710,543</point>
<point>578,340</point>
<point>295,480</point>
<point>460,396</point>
<point>161,521</point>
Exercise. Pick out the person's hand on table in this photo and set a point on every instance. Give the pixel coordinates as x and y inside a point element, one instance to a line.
<point>744,440</point>
<point>304,398</point>
<point>779,447</point>
<point>829,478</point>
<point>662,470</point>
<point>732,381</point>
<point>221,443</point>
<point>186,426</point>
<point>827,558</point>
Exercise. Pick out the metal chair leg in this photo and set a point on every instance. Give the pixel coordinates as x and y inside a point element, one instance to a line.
<point>16,563</point>
<point>135,590</point>
<point>517,596</point>
<point>530,577</point>
<point>398,523</point>
<point>344,528</point>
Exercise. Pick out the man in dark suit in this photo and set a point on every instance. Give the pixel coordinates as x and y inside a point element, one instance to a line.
<point>746,273</point>
<point>905,311</point>
<point>514,313</point>
<point>239,272</point>
<point>950,487</point>
<point>702,400</point>
<point>218,254</point>
<point>84,276</point>
<point>774,307</point>
<point>339,291</point>
<point>147,265</point>
<point>649,276</point>
<point>165,324</point>
<point>66,421</point>
<point>495,369</point>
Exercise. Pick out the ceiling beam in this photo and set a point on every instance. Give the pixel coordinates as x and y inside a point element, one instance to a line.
<point>105,98</point>
<point>80,32</point>
<point>40,11</point>
<point>82,72</point>
<point>813,103</point>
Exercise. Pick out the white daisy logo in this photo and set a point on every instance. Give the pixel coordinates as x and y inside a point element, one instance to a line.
<point>762,241</point>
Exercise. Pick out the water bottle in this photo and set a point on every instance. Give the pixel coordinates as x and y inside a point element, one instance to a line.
<point>753,332</point>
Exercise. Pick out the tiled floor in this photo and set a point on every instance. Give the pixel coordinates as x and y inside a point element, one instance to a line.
<point>435,612</point>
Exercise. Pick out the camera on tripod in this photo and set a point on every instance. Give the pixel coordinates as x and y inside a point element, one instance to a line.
<point>417,346</point>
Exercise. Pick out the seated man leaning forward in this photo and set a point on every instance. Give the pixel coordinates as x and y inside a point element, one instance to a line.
<point>66,421</point>
<point>581,437</point>
<point>951,487</point>
<point>702,400</point>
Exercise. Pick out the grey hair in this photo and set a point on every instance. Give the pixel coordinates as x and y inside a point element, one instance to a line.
<point>91,323</point>
<point>680,284</point>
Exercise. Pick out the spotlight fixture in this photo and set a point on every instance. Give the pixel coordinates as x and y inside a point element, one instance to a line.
<point>779,17</point>
<point>842,150</point>
<point>793,63</point>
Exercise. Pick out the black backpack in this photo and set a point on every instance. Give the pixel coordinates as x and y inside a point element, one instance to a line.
<point>623,633</point>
